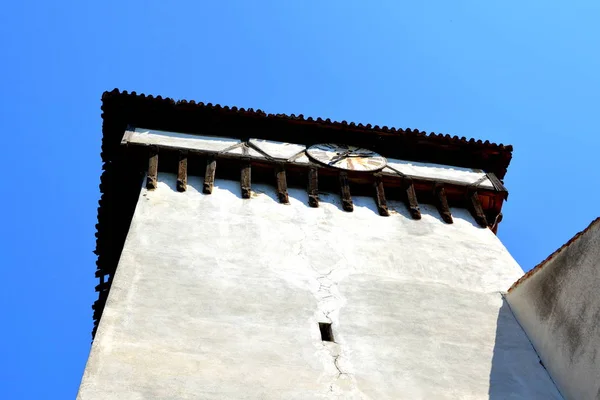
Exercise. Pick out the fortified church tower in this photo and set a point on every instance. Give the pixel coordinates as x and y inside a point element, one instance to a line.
<point>245,255</point>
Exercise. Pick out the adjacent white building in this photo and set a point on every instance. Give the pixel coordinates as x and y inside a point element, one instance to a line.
<point>558,305</point>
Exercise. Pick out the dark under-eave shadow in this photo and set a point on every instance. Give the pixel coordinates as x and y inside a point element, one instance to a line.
<point>517,372</point>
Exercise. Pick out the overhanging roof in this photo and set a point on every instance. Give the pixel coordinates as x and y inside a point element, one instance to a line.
<point>191,117</point>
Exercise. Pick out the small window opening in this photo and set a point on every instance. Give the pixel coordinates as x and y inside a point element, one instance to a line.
<point>326,332</point>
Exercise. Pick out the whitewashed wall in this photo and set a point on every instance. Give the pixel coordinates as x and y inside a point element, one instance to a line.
<point>216,297</point>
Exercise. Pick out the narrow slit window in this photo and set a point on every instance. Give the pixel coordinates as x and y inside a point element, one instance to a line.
<point>326,332</point>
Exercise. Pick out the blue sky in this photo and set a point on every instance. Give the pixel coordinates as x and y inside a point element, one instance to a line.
<point>521,73</point>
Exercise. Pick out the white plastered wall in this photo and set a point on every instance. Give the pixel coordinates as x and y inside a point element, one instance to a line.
<point>217,297</point>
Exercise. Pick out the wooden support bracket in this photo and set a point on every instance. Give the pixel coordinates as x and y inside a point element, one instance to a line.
<point>439,194</point>
<point>380,196</point>
<point>245,179</point>
<point>411,199</point>
<point>347,204</point>
<point>104,286</point>
<point>152,178</point>
<point>209,176</point>
<point>280,176</point>
<point>497,220</point>
<point>475,208</point>
<point>182,171</point>
<point>313,187</point>
<point>497,184</point>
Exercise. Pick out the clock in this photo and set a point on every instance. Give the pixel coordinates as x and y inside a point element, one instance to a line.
<point>346,157</point>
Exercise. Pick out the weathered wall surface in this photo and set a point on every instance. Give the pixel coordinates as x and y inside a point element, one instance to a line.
<point>216,297</point>
<point>558,305</point>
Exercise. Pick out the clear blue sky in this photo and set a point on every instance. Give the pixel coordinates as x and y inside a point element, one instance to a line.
<point>524,73</point>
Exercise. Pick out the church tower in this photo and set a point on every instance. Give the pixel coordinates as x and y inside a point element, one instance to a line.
<point>245,255</point>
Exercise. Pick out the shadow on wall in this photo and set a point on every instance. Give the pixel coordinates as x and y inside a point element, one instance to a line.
<point>300,196</point>
<point>517,372</point>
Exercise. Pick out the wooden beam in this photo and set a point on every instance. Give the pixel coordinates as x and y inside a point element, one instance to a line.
<point>101,287</point>
<point>476,209</point>
<point>380,196</point>
<point>152,178</point>
<point>345,192</point>
<point>411,199</point>
<point>455,190</point>
<point>282,193</point>
<point>497,221</point>
<point>439,195</point>
<point>497,184</point>
<point>245,179</point>
<point>313,187</point>
<point>209,176</point>
<point>182,171</point>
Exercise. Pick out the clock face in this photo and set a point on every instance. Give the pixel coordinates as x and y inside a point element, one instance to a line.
<point>346,157</point>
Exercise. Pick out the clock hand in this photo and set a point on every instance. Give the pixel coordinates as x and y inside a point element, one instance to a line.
<point>359,155</point>
<point>338,157</point>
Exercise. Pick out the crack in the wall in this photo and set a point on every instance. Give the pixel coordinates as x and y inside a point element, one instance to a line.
<point>337,366</point>
<point>342,384</point>
<point>342,381</point>
<point>329,303</point>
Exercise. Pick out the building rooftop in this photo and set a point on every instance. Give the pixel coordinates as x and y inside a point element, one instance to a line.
<point>190,116</point>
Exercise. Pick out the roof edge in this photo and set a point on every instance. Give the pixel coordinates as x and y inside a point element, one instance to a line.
<point>500,151</point>
<point>301,118</point>
<point>541,265</point>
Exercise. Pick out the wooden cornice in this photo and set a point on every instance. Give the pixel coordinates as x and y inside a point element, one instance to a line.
<point>407,144</point>
<point>483,202</point>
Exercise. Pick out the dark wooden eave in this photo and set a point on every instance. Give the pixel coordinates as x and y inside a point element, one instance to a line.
<point>405,144</point>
